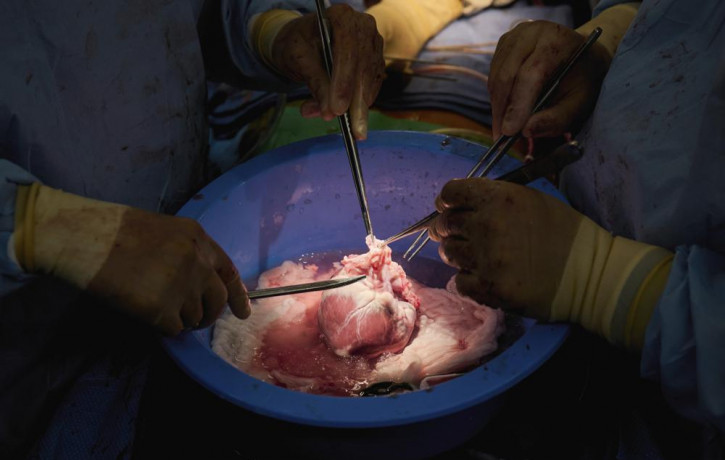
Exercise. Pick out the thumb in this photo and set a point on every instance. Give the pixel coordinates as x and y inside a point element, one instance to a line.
<point>359,114</point>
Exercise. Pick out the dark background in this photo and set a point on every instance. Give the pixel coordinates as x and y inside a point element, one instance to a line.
<point>586,402</point>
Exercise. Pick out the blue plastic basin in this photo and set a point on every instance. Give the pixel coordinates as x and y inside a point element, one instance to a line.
<point>300,199</point>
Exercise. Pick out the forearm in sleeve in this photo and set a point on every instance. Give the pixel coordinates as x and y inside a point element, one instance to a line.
<point>684,345</point>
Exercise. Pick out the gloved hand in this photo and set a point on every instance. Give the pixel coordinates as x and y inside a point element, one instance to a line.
<point>161,269</point>
<point>518,248</point>
<point>406,25</point>
<point>290,43</point>
<point>527,57</point>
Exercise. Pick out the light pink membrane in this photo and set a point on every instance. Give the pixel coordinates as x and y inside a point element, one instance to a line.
<point>387,327</point>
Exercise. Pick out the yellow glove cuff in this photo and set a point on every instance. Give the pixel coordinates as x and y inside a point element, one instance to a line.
<point>611,285</point>
<point>265,29</point>
<point>614,22</point>
<point>25,199</point>
<point>406,25</point>
<point>645,302</point>
<point>62,234</point>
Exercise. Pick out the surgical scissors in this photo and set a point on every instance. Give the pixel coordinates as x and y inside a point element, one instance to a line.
<point>345,126</point>
<point>502,144</point>
<point>305,287</point>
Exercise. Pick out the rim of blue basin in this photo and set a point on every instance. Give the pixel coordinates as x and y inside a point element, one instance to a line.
<point>191,351</point>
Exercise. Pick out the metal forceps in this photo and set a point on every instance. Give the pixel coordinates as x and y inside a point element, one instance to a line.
<point>345,126</point>
<point>306,287</point>
<point>540,167</point>
<point>299,288</point>
<point>497,150</point>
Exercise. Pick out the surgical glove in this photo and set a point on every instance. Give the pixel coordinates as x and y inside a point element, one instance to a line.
<point>291,45</point>
<point>161,269</point>
<point>518,248</point>
<point>527,57</point>
<point>406,25</point>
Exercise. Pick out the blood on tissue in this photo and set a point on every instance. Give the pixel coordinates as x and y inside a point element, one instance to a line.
<point>451,333</point>
<point>382,273</point>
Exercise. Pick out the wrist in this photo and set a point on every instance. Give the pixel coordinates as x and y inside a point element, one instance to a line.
<point>23,234</point>
<point>265,29</point>
<point>64,235</point>
<point>614,22</point>
<point>611,285</point>
<point>627,291</point>
<point>645,302</point>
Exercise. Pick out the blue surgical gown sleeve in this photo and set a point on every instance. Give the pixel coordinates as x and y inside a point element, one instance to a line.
<point>685,342</point>
<point>659,180</point>
<point>11,275</point>
<point>237,16</point>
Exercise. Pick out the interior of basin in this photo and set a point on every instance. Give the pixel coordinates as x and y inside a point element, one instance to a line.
<point>300,199</point>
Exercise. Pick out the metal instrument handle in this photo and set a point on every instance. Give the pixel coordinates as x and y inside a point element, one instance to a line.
<point>345,125</point>
<point>305,287</point>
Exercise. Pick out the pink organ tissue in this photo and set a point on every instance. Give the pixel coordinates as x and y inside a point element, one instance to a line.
<point>385,328</point>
